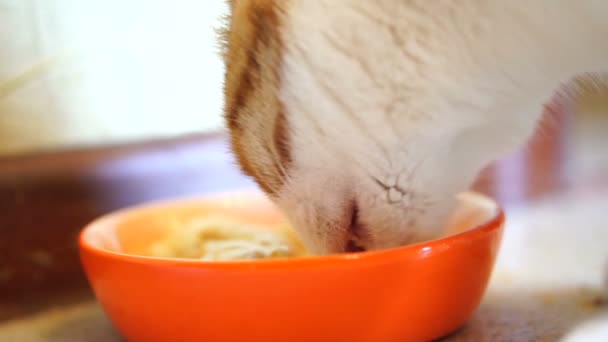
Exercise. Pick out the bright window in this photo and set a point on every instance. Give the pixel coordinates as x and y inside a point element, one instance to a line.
<point>107,70</point>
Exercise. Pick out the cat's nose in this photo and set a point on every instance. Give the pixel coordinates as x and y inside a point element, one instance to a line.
<point>356,235</point>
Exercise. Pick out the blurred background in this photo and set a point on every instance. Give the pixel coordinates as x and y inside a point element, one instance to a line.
<point>111,103</point>
<point>75,73</point>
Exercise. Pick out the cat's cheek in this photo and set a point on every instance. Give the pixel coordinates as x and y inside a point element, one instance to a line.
<point>317,205</point>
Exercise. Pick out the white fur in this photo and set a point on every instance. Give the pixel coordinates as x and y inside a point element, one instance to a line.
<point>418,95</point>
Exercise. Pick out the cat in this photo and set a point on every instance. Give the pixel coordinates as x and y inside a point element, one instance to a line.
<point>363,119</point>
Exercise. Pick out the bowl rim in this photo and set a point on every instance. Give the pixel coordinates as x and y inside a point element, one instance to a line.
<point>494,223</point>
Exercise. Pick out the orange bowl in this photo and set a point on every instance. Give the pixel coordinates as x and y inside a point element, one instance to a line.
<point>414,293</point>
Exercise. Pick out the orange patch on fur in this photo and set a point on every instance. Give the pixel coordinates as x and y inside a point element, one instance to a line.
<point>253,45</point>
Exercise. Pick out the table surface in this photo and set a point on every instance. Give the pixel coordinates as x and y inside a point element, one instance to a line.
<point>526,300</point>
<point>538,291</point>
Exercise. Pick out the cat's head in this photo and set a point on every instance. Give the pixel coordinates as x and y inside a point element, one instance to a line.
<point>339,133</point>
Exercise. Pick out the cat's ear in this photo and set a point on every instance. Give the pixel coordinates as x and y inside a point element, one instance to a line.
<point>223,30</point>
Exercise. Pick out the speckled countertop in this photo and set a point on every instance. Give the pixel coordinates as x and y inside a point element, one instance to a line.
<point>547,278</point>
<point>546,281</point>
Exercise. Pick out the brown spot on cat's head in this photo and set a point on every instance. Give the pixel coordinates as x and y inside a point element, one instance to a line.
<point>253,111</point>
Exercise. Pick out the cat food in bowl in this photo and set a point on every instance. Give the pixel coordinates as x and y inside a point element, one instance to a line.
<point>158,285</point>
<point>227,238</point>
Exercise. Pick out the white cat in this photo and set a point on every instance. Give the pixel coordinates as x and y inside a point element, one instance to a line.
<point>362,119</point>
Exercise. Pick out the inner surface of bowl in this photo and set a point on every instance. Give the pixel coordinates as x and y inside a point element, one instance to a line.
<point>132,231</point>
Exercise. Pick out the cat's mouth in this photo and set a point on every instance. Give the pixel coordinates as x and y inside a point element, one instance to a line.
<point>353,247</point>
<point>356,232</point>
